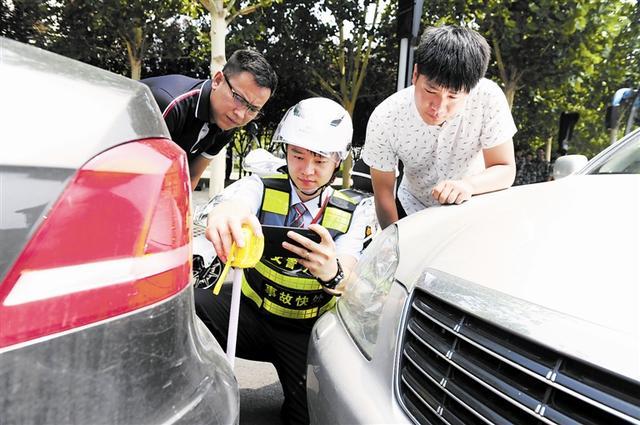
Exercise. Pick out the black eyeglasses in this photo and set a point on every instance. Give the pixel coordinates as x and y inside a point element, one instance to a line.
<point>241,102</point>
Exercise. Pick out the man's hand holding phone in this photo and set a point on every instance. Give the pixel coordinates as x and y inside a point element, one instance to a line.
<point>318,257</point>
<point>275,235</point>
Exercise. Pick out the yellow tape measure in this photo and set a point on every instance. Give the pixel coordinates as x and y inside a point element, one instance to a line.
<point>242,258</point>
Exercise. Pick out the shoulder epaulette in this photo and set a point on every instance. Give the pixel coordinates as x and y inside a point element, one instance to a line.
<point>343,201</point>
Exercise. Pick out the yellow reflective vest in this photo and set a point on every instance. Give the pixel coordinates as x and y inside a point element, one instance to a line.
<point>278,285</point>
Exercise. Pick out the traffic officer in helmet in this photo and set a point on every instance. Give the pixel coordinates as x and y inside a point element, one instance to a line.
<point>282,297</point>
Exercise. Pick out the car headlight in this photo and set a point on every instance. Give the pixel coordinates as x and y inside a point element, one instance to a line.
<point>361,305</point>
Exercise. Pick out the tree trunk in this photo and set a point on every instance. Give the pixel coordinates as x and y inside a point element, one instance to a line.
<point>218,58</point>
<point>510,88</point>
<point>217,167</point>
<point>347,164</point>
<point>218,36</point>
<point>136,68</point>
<point>350,92</point>
<point>220,18</point>
<point>509,76</point>
<point>134,51</point>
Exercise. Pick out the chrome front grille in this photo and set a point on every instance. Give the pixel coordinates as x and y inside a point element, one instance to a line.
<point>458,369</point>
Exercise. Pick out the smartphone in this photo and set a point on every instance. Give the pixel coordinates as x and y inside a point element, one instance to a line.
<point>275,235</point>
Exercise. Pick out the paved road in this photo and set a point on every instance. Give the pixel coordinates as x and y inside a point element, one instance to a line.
<point>260,392</point>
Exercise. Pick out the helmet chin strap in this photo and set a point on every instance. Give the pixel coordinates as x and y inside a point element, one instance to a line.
<point>313,192</point>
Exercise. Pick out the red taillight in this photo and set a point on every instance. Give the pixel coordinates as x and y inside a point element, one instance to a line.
<point>116,240</point>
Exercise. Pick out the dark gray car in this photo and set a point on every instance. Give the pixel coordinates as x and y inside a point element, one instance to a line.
<point>96,311</point>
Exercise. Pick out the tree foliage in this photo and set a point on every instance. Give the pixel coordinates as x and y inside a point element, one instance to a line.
<point>131,25</point>
<point>117,35</point>
<point>347,52</point>
<point>317,48</point>
<point>25,20</point>
<point>288,35</point>
<point>548,56</point>
<point>222,13</point>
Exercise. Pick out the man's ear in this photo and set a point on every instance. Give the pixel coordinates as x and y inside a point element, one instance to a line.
<point>217,79</point>
<point>415,75</point>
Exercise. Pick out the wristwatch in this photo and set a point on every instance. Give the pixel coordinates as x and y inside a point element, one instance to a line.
<point>331,284</point>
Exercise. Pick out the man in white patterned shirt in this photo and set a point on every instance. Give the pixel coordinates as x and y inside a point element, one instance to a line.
<point>452,129</point>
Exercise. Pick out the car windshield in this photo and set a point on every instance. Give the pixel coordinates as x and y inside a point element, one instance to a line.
<point>624,160</point>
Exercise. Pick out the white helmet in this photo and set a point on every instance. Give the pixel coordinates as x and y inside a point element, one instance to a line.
<point>317,124</point>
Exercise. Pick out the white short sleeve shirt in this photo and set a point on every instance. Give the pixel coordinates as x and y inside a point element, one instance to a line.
<point>434,153</point>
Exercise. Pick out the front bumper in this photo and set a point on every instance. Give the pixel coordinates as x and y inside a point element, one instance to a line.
<point>343,387</point>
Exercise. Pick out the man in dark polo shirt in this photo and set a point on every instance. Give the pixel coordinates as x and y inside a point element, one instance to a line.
<point>201,114</point>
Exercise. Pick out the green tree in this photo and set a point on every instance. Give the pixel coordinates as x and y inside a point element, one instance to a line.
<point>347,55</point>
<point>25,20</point>
<point>114,26</point>
<point>82,33</point>
<point>620,68</point>
<point>112,34</point>
<point>288,34</point>
<point>301,39</point>
<point>382,73</point>
<point>222,13</point>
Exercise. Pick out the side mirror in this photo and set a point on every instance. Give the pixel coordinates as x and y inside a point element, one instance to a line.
<point>568,164</point>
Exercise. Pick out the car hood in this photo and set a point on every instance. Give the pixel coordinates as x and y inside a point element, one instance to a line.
<point>567,250</point>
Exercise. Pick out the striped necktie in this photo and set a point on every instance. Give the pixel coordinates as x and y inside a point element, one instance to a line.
<point>296,215</point>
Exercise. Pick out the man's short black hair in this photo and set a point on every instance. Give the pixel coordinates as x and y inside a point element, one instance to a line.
<point>452,57</point>
<point>248,60</point>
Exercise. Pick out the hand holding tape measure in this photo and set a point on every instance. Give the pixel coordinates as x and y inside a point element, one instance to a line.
<point>242,258</point>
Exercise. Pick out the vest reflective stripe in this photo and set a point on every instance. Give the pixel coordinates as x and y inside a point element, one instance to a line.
<point>248,292</point>
<point>288,313</point>
<point>291,282</point>
<point>341,195</point>
<point>336,219</point>
<point>260,290</point>
<point>278,176</point>
<point>275,206</point>
<point>275,201</point>
<point>328,306</point>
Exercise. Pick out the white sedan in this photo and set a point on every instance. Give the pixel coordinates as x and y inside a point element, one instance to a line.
<point>520,306</point>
